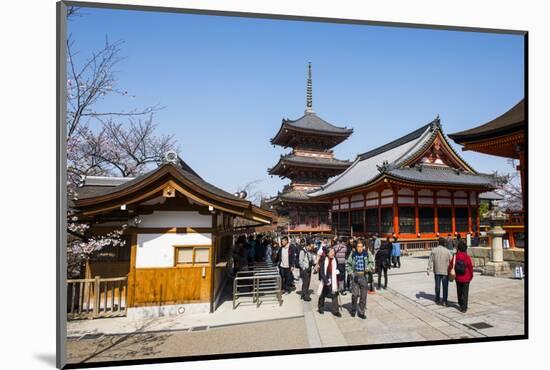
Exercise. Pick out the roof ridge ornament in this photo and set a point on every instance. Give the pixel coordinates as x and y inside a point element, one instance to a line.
<point>171,156</point>
<point>385,167</point>
<point>436,124</point>
<point>309,92</point>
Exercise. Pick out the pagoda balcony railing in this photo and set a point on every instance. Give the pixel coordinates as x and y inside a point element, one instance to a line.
<point>515,218</point>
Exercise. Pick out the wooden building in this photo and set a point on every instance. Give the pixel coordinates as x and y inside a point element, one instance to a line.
<point>179,239</point>
<point>308,166</point>
<point>503,136</point>
<point>416,187</point>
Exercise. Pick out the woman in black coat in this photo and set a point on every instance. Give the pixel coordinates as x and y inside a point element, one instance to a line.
<point>382,261</point>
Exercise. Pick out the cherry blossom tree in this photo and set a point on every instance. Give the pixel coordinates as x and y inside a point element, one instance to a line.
<point>509,186</point>
<point>102,142</point>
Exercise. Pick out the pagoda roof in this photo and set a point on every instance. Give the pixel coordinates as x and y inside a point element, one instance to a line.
<point>309,162</point>
<point>293,195</point>
<point>394,160</point>
<point>310,124</point>
<point>490,195</point>
<point>510,122</point>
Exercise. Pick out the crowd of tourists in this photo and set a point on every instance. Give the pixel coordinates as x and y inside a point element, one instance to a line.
<point>348,265</point>
<point>342,265</point>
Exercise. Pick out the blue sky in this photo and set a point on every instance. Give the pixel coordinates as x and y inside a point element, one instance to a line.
<point>226,83</point>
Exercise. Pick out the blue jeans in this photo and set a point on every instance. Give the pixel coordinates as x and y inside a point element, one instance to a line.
<point>441,279</point>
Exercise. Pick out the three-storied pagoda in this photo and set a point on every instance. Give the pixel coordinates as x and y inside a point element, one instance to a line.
<point>308,166</point>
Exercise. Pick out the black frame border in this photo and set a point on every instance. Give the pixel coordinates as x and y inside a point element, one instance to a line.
<point>61,317</point>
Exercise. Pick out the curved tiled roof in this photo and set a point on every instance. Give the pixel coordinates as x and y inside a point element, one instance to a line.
<point>510,121</point>
<point>310,124</point>
<point>311,121</point>
<point>373,164</point>
<point>317,162</point>
<point>441,175</point>
<point>186,171</point>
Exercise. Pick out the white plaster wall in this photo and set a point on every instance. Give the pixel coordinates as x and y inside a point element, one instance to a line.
<point>425,200</point>
<point>157,250</point>
<point>405,200</point>
<point>175,219</point>
<point>372,202</point>
<point>357,204</point>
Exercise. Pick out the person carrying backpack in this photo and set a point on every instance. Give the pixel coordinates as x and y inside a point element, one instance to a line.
<point>464,273</point>
<point>306,261</point>
<point>340,251</point>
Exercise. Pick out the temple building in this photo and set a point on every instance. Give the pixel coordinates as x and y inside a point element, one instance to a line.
<point>503,136</point>
<point>179,240</point>
<point>308,166</point>
<point>415,187</point>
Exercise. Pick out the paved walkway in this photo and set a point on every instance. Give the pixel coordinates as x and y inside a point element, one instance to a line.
<point>406,312</point>
<point>403,313</point>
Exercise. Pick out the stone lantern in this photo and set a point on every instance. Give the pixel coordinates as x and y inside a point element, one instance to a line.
<point>497,265</point>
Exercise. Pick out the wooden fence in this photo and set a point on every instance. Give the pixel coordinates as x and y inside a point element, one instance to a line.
<point>409,247</point>
<point>93,298</point>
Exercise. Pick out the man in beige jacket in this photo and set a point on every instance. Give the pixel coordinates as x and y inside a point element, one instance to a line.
<point>439,264</point>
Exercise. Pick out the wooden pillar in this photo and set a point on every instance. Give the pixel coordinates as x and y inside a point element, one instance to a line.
<point>132,272</point>
<point>379,213</point>
<point>349,212</point>
<point>453,219</point>
<point>364,208</point>
<point>416,214</point>
<point>468,194</point>
<point>395,211</point>
<point>436,220</point>
<point>213,253</point>
<point>512,239</point>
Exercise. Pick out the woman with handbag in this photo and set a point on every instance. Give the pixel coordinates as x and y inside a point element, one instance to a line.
<point>463,272</point>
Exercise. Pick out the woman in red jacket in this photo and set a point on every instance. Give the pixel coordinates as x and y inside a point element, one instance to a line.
<point>464,274</point>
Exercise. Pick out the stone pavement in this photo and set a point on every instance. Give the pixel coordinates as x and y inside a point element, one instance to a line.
<point>406,312</point>
<point>403,313</point>
<point>225,315</point>
<point>498,302</point>
<point>219,340</point>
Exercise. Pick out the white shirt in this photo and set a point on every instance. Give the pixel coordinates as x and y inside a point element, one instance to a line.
<point>285,251</point>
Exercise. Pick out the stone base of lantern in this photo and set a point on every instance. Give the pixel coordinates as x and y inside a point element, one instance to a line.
<point>496,269</point>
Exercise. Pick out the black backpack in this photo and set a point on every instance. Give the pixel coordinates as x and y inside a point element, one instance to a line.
<point>460,267</point>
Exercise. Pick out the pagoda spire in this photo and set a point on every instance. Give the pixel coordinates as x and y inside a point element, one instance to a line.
<point>309,94</point>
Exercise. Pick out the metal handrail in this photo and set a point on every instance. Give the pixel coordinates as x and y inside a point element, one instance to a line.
<point>263,283</point>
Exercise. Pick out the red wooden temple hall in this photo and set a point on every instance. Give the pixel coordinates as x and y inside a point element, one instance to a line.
<point>416,187</point>
<point>503,136</point>
<point>308,166</point>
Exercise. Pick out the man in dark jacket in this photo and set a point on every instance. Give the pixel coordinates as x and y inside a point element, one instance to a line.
<point>285,261</point>
<point>306,260</point>
<point>382,261</point>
